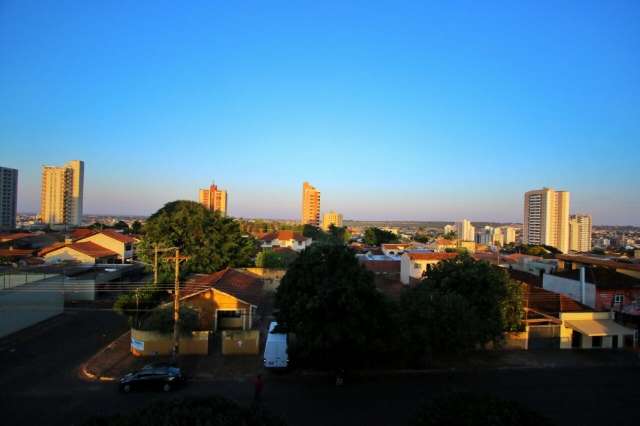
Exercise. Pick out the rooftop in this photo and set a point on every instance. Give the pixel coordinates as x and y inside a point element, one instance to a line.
<point>239,284</point>
<point>603,278</point>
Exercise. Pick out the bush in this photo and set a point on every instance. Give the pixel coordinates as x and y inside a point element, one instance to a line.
<point>161,320</point>
<point>140,300</point>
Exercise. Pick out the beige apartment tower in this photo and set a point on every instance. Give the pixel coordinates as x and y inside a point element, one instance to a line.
<point>214,199</point>
<point>465,231</point>
<point>61,195</point>
<point>310,205</point>
<point>580,232</point>
<point>331,218</point>
<point>546,218</point>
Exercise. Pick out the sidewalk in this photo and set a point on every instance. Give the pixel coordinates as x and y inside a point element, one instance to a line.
<point>115,360</point>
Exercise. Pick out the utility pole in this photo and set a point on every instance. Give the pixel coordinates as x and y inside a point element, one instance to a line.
<point>176,304</point>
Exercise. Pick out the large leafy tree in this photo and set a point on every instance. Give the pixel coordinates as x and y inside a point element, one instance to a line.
<point>485,287</point>
<point>376,236</point>
<point>331,304</point>
<point>211,241</point>
<point>461,304</point>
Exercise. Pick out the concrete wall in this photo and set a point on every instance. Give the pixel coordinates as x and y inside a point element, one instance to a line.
<point>570,288</point>
<point>29,304</point>
<point>210,302</point>
<point>111,244</point>
<point>68,254</point>
<point>14,279</point>
<point>241,342</point>
<point>151,343</point>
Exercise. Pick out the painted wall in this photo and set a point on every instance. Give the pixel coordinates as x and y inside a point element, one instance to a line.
<point>151,343</point>
<point>111,244</point>
<point>566,332</point>
<point>241,342</point>
<point>24,306</point>
<point>570,288</point>
<point>210,302</point>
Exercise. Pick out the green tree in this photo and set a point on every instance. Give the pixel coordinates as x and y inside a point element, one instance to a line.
<point>275,259</point>
<point>376,236</point>
<point>136,227</point>
<point>122,226</point>
<point>433,323</point>
<point>421,238</point>
<point>134,304</point>
<point>161,320</point>
<point>330,302</point>
<point>211,241</point>
<point>339,234</point>
<point>487,290</point>
<point>311,231</point>
<point>451,235</point>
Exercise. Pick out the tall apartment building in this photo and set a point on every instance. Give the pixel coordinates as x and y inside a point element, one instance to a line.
<point>546,218</point>
<point>310,205</point>
<point>61,196</point>
<point>331,218</point>
<point>8,197</point>
<point>214,199</point>
<point>465,231</point>
<point>580,232</point>
<point>508,234</point>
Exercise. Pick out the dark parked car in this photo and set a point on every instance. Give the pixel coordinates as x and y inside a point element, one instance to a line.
<point>164,378</point>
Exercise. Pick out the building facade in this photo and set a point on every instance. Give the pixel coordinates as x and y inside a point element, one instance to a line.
<point>61,197</point>
<point>546,218</point>
<point>214,199</point>
<point>8,198</point>
<point>465,231</point>
<point>310,205</point>
<point>580,232</point>
<point>331,218</point>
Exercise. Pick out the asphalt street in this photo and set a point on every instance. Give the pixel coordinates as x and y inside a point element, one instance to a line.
<point>40,385</point>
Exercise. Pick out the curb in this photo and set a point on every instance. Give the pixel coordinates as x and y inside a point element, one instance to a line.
<point>86,374</point>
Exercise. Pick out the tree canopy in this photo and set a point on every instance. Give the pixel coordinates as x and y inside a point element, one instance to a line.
<point>275,259</point>
<point>376,236</point>
<point>331,304</point>
<point>211,241</point>
<point>461,304</point>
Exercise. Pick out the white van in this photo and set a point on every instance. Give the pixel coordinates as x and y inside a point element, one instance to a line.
<point>275,350</point>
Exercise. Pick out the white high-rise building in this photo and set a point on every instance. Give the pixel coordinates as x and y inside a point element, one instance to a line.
<point>465,231</point>
<point>580,232</point>
<point>546,218</point>
<point>61,196</point>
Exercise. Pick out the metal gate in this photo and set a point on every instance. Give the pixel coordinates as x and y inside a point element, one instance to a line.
<point>544,336</point>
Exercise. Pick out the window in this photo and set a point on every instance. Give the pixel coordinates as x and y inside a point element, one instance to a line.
<point>596,342</point>
<point>618,299</point>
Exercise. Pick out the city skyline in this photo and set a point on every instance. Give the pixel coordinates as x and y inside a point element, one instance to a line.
<point>453,125</point>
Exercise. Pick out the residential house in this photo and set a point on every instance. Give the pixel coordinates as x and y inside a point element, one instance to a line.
<point>78,252</point>
<point>598,287</point>
<point>119,243</point>
<point>227,299</point>
<point>291,239</point>
<point>415,265</point>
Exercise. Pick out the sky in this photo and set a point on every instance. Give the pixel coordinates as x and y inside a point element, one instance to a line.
<point>395,110</point>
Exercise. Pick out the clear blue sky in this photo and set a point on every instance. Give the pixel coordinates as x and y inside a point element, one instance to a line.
<point>394,110</point>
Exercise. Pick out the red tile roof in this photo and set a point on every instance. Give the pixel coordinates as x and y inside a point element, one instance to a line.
<point>15,236</point>
<point>87,247</point>
<point>431,256</point>
<point>607,263</point>
<point>283,236</point>
<point>13,252</point>
<point>445,242</point>
<point>550,303</point>
<point>111,234</point>
<point>80,233</point>
<point>241,285</point>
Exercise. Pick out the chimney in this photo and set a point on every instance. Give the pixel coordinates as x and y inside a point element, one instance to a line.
<point>583,285</point>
